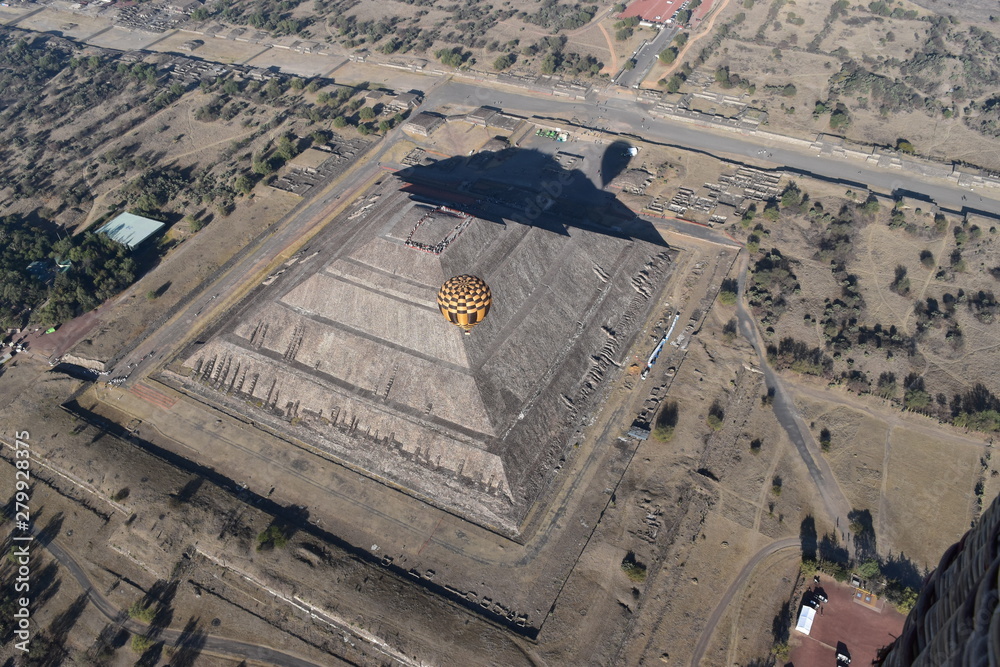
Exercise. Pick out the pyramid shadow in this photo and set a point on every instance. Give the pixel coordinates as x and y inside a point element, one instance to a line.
<point>532,188</point>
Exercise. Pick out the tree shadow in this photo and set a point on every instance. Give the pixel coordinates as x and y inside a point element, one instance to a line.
<point>283,527</point>
<point>863,530</point>
<point>189,644</point>
<point>830,550</point>
<point>781,623</point>
<point>59,630</point>
<point>51,530</point>
<point>187,491</point>
<point>161,290</point>
<point>161,594</point>
<point>808,538</point>
<point>903,571</point>
<point>151,656</point>
<point>111,638</point>
<point>529,187</point>
<point>46,583</point>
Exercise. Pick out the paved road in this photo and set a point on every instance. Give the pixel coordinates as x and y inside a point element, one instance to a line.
<point>622,115</point>
<point>210,643</point>
<point>646,57</point>
<point>736,586</point>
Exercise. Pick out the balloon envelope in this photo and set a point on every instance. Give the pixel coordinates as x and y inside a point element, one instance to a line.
<point>464,301</point>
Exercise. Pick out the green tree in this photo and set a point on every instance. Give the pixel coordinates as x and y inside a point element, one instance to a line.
<point>771,211</point>
<point>384,126</point>
<point>261,165</point>
<point>366,114</point>
<point>629,64</point>
<point>904,146</point>
<point>503,62</point>
<point>339,122</point>
<point>666,422</point>
<point>840,118</point>
<point>916,399</point>
<point>286,149</point>
<point>633,569</point>
<point>552,61</point>
<point>244,184</point>
<point>869,569</point>
<point>668,56</point>
<point>680,39</point>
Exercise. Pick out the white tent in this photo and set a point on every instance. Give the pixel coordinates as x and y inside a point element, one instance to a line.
<point>806,617</point>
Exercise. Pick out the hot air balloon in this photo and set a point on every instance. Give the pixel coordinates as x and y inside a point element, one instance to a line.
<point>464,301</point>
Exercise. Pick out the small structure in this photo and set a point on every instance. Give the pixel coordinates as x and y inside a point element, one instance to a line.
<point>130,230</point>
<point>633,180</point>
<point>423,124</point>
<point>45,270</point>
<point>481,116</point>
<point>639,432</point>
<point>404,101</point>
<point>184,6</point>
<point>309,160</point>
<point>373,97</point>
<point>806,617</point>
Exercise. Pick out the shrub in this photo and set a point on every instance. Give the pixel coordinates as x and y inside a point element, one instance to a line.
<point>633,569</point>
<point>824,439</point>
<point>716,416</point>
<point>666,422</point>
<point>142,612</point>
<point>271,537</point>
<point>141,643</point>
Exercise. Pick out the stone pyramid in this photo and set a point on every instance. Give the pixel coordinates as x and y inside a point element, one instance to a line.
<point>353,357</point>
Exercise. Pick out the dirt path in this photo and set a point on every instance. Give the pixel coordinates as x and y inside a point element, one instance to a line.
<point>611,49</point>
<point>704,30</point>
<point>236,137</point>
<point>873,272</point>
<point>776,458</point>
<point>880,529</point>
<point>890,415</point>
<point>734,588</point>
<point>930,276</point>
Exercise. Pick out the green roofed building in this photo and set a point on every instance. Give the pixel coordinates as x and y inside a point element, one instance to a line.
<point>130,230</point>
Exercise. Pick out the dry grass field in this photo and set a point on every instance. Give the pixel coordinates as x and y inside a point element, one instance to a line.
<point>921,478</point>
<point>877,66</point>
<point>928,494</point>
<point>857,449</point>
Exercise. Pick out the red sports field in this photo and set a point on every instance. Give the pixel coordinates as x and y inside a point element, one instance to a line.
<point>658,11</point>
<point>862,629</point>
